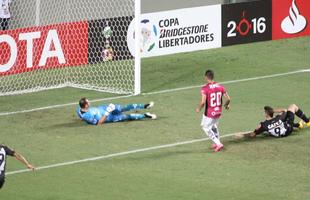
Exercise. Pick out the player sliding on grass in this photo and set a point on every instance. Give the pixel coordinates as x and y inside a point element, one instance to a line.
<point>211,98</point>
<point>6,151</point>
<point>280,125</point>
<point>111,113</point>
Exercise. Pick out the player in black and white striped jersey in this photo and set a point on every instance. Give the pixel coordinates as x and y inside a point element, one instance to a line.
<point>6,151</point>
<point>280,125</point>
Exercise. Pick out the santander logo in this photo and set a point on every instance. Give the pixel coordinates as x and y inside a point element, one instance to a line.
<point>295,22</point>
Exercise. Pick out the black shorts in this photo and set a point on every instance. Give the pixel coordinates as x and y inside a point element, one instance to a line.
<point>1,181</point>
<point>288,119</point>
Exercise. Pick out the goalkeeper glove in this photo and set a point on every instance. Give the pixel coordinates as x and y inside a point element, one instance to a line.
<point>109,109</point>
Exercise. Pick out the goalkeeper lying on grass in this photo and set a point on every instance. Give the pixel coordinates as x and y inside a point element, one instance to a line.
<point>111,113</point>
<point>280,125</point>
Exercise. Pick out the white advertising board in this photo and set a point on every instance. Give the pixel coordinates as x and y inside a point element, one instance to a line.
<point>176,31</point>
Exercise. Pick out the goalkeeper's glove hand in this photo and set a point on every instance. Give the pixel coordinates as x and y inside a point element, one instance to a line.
<point>109,109</point>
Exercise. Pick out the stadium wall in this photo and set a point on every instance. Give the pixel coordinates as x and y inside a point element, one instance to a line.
<point>227,24</point>
<point>168,32</point>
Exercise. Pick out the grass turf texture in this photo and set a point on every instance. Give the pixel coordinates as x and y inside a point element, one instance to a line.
<point>264,168</point>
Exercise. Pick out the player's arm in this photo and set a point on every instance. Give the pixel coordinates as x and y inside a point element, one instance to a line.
<point>108,111</point>
<point>23,160</point>
<point>201,103</point>
<point>260,129</point>
<point>227,101</point>
<point>19,157</point>
<point>90,119</point>
<point>250,134</point>
<point>280,110</point>
<point>102,119</point>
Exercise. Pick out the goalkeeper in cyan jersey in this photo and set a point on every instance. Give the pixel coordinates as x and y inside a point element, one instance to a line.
<point>111,113</point>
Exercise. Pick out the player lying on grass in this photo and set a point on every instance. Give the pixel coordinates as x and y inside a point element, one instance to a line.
<point>6,151</point>
<point>111,113</point>
<point>280,125</point>
<point>211,99</point>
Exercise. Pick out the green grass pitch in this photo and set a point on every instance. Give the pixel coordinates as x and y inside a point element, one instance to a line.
<point>264,168</point>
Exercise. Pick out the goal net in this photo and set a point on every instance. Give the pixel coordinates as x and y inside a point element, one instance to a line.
<point>52,44</point>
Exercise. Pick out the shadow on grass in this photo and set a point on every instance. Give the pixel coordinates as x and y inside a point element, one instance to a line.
<point>163,155</point>
<point>72,124</point>
<point>76,123</point>
<point>206,149</point>
<point>261,138</point>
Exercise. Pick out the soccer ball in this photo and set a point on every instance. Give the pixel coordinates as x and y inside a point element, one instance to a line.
<point>107,32</point>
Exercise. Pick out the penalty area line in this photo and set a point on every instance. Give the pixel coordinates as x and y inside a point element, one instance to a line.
<point>104,157</point>
<point>157,92</point>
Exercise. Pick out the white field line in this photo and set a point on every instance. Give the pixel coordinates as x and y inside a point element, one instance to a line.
<point>103,157</point>
<point>158,92</point>
<point>232,81</point>
<point>59,106</point>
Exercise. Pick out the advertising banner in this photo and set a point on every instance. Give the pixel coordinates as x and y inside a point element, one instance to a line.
<point>291,18</point>
<point>246,22</point>
<point>52,46</point>
<point>176,31</point>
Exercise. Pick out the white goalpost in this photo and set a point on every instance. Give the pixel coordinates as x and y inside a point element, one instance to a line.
<point>137,89</point>
<point>82,44</point>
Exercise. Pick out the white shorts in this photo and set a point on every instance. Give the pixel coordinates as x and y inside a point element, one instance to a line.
<point>208,122</point>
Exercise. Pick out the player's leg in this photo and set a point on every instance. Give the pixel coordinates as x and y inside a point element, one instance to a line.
<point>130,107</point>
<point>215,129</point>
<point>137,116</point>
<point>207,124</point>
<point>150,115</point>
<point>299,113</point>
<point>124,108</point>
<point>298,125</point>
<point>131,117</point>
<point>120,117</point>
<point>290,117</point>
<point>1,181</point>
<point>217,132</point>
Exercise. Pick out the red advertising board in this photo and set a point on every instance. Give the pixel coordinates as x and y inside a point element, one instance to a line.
<point>45,47</point>
<point>290,18</point>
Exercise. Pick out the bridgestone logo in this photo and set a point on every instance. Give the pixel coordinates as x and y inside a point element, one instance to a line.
<point>184,31</point>
<point>182,35</point>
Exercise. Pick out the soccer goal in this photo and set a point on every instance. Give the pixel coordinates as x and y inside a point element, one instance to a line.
<point>83,44</point>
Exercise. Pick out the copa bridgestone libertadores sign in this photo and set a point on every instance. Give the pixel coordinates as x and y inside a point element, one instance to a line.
<point>176,31</point>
